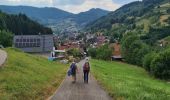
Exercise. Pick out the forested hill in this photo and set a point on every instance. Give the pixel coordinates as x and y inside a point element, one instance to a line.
<point>60,21</point>
<point>21,25</point>
<point>44,15</point>
<point>142,17</point>
<point>84,18</point>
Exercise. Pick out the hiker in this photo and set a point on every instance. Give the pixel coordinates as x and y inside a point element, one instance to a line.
<point>73,70</point>
<point>86,70</point>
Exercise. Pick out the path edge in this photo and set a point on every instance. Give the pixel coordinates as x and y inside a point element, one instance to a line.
<point>2,65</point>
<point>50,97</point>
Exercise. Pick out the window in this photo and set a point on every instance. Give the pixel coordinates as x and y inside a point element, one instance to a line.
<point>34,40</point>
<point>31,40</point>
<point>20,40</point>
<point>24,40</point>
<point>20,45</point>
<point>17,40</point>
<point>27,42</point>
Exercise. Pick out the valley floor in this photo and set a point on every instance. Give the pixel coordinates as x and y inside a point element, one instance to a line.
<point>128,82</point>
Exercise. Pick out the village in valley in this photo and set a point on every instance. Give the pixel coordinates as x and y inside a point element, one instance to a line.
<point>58,47</point>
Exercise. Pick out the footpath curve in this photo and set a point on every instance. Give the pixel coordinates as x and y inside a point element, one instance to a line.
<point>3,57</point>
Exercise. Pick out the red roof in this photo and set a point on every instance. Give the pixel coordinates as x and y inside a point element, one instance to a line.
<point>68,46</point>
<point>62,47</point>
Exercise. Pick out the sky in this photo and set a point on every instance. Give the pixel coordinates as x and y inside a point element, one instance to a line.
<point>74,6</point>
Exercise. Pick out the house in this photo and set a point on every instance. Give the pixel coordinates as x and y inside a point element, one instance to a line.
<point>100,40</point>
<point>34,43</point>
<point>116,55</point>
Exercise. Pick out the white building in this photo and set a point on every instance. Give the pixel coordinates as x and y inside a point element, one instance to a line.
<point>34,43</point>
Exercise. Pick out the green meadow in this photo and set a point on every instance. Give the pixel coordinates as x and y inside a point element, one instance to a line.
<point>128,82</point>
<point>27,77</point>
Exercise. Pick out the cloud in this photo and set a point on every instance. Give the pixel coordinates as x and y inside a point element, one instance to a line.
<point>124,1</point>
<point>74,6</point>
<point>39,3</point>
<point>68,2</point>
<point>88,4</point>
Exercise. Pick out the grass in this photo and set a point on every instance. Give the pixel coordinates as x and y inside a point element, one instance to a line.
<point>128,82</point>
<point>27,77</point>
<point>167,39</point>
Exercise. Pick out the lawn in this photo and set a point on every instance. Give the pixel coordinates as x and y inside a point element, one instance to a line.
<point>26,77</point>
<point>128,82</point>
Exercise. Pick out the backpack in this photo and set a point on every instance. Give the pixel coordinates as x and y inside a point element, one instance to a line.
<point>69,73</point>
<point>86,67</point>
<point>73,68</point>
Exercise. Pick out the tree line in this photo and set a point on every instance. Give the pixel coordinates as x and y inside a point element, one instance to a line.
<point>19,25</point>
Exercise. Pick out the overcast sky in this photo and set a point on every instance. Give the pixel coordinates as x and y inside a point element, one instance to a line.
<point>74,6</point>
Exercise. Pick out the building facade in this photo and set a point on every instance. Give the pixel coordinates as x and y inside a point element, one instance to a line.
<point>34,43</point>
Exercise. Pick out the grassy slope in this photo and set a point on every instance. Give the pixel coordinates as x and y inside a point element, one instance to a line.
<point>28,77</point>
<point>128,82</point>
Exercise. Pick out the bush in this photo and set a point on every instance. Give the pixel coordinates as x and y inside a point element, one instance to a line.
<point>103,52</point>
<point>6,38</point>
<point>92,52</point>
<point>160,66</point>
<point>75,53</point>
<point>138,51</point>
<point>125,47</point>
<point>148,59</point>
<point>133,49</point>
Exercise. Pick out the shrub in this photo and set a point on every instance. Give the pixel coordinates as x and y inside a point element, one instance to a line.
<point>126,42</point>
<point>6,38</point>
<point>160,66</point>
<point>148,59</point>
<point>134,50</point>
<point>103,52</point>
<point>75,53</point>
<point>92,52</point>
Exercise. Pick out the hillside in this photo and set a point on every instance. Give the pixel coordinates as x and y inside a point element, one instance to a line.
<point>43,15</point>
<point>128,82</point>
<point>59,20</point>
<point>142,17</point>
<point>84,18</point>
<point>21,24</point>
<point>28,77</point>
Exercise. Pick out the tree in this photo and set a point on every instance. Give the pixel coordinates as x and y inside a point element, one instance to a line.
<point>160,65</point>
<point>104,52</point>
<point>133,49</point>
<point>6,38</point>
<point>92,52</point>
<point>148,59</point>
<point>126,43</point>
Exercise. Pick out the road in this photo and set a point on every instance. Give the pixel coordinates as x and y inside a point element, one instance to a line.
<point>79,90</point>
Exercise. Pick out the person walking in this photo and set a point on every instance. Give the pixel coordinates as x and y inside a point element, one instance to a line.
<point>73,70</point>
<point>86,70</point>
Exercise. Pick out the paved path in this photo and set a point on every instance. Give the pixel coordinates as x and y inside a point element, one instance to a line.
<point>79,90</point>
<point>3,57</point>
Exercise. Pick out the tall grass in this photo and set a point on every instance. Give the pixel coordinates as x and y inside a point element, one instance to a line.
<point>128,82</point>
<point>26,77</point>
